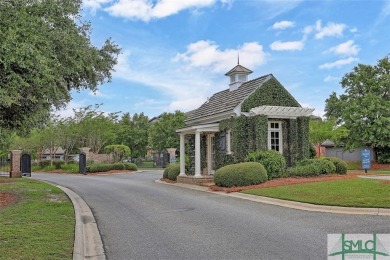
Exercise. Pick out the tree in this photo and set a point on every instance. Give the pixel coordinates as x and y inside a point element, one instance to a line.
<point>96,128</point>
<point>134,132</point>
<point>45,52</point>
<point>118,151</point>
<point>364,108</point>
<point>162,134</point>
<point>323,130</point>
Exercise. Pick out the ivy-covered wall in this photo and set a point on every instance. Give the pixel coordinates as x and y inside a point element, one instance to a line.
<point>251,133</point>
<point>271,93</point>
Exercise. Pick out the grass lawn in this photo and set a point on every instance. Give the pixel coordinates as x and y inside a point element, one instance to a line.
<point>348,193</point>
<point>40,225</point>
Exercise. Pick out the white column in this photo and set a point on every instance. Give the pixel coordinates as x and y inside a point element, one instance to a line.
<point>197,154</point>
<point>182,156</point>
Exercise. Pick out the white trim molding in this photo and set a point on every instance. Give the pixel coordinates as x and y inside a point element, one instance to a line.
<point>281,112</point>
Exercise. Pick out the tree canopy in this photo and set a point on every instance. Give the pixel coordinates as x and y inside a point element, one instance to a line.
<point>364,107</point>
<point>45,52</point>
<point>162,134</point>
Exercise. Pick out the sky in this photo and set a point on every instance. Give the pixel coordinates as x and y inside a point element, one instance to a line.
<point>175,52</point>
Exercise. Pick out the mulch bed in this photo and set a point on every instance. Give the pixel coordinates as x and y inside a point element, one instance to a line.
<point>285,181</point>
<point>167,180</point>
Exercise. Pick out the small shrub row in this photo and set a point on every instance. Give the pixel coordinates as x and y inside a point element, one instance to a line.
<point>273,162</point>
<point>241,174</point>
<point>58,163</point>
<point>341,166</point>
<point>44,163</point>
<point>103,167</point>
<point>73,168</point>
<point>311,167</point>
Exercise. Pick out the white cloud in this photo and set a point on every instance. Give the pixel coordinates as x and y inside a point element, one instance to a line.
<point>146,10</point>
<point>331,29</point>
<point>338,63</point>
<point>98,93</point>
<point>187,104</point>
<point>207,54</point>
<point>287,46</point>
<point>330,78</point>
<point>95,4</point>
<point>283,25</point>
<point>347,48</point>
<point>353,30</point>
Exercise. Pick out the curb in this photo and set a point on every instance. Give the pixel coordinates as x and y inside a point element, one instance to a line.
<point>288,203</point>
<point>87,243</point>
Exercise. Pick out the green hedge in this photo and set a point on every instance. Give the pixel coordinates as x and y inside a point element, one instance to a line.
<point>58,164</point>
<point>166,170</point>
<point>103,167</point>
<point>44,163</point>
<point>273,162</point>
<point>174,171</point>
<point>341,166</point>
<point>311,167</point>
<point>241,174</point>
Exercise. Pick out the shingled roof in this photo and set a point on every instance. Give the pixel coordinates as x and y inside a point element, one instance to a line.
<point>240,69</point>
<point>227,100</point>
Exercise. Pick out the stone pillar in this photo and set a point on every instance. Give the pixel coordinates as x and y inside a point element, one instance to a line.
<point>197,155</point>
<point>15,164</point>
<point>86,151</point>
<point>172,155</point>
<point>182,156</point>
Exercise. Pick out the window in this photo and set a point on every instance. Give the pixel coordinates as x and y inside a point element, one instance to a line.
<point>232,78</point>
<point>222,141</point>
<point>229,141</point>
<point>242,77</point>
<point>275,136</point>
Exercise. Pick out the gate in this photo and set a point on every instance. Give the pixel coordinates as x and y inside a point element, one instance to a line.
<point>25,165</point>
<point>161,159</point>
<point>5,166</point>
<point>83,163</point>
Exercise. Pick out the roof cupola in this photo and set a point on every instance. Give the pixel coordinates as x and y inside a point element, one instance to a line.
<point>237,76</point>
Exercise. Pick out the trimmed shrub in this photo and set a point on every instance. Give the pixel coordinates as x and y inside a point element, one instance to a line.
<point>311,167</point>
<point>273,162</point>
<point>58,163</point>
<point>98,167</point>
<point>44,163</point>
<point>312,152</point>
<point>240,174</point>
<point>166,170</point>
<point>174,171</point>
<point>117,166</point>
<point>341,166</point>
<point>131,166</point>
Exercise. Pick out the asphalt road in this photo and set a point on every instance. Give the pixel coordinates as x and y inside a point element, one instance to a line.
<point>141,219</point>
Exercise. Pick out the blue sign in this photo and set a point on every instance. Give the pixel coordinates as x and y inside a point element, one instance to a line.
<point>366,159</point>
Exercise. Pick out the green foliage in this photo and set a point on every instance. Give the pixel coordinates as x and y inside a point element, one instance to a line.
<point>162,134</point>
<point>117,166</point>
<point>44,163</point>
<point>323,130</point>
<point>341,166</point>
<point>241,174</point>
<point>134,132</point>
<point>364,107</point>
<point>131,166</point>
<point>71,167</point>
<point>303,137</point>
<point>240,138</point>
<point>58,164</point>
<point>166,170</point>
<point>174,171</point>
<point>46,53</point>
<point>118,151</point>
<point>271,93</point>
<point>312,152</point>
<point>273,162</point>
<point>383,155</point>
<point>311,167</point>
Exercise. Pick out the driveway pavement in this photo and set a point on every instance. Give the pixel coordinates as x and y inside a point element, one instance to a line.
<point>141,219</point>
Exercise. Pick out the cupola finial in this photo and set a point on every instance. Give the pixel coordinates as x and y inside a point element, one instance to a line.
<point>238,59</point>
